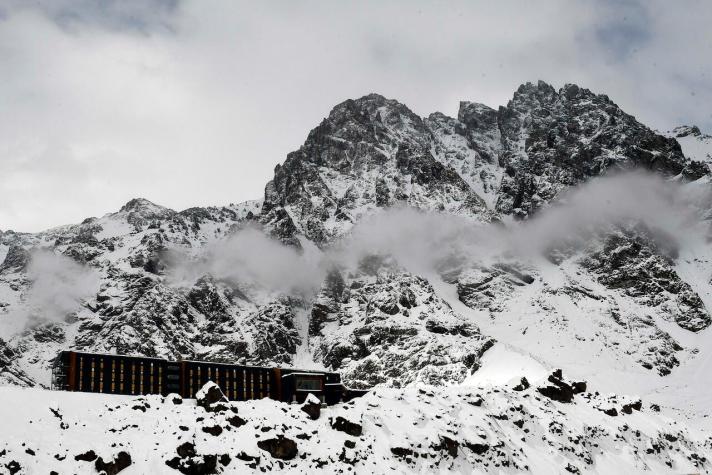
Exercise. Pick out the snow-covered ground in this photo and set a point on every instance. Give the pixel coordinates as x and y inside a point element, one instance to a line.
<point>481,428</point>
<point>575,335</point>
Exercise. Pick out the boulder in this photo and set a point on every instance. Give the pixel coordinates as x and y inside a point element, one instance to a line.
<point>190,463</point>
<point>119,462</point>
<point>636,405</point>
<point>312,406</point>
<point>215,430</point>
<point>523,384</point>
<point>347,426</point>
<point>447,445</point>
<point>88,456</point>
<point>211,398</point>
<point>560,390</point>
<point>280,447</point>
<point>175,398</point>
<point>236,421</point>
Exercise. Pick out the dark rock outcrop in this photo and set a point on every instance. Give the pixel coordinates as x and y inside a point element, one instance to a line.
<point>560,390</point>
<point>211,398</point>
<point>280,447</point>
<point>344,425</point>
<point>121,461</point>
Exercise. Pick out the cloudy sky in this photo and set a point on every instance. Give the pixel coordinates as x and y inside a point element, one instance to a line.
<point>193,102</point>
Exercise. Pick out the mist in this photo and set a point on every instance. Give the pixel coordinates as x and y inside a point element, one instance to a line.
<point>423,242</point>
<point>249,257</point>
<point>59,284</point>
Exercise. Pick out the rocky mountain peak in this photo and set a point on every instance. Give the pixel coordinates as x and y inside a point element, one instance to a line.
<point>552,140</point>
<point>142,204</point>
<point>370,153</point>
<point>477,116</point>
<point>371,118</point>
<point>140,210</point>
<point>543,95</point>
<point>685,130</point>
<point>541,89</point>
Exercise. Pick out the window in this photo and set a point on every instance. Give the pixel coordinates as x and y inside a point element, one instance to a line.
<point>308,384</point>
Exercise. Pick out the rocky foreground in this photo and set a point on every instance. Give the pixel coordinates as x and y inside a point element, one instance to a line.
<point>549,426</point>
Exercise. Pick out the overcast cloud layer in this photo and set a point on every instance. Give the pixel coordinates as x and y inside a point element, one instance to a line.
<point>194,102</point>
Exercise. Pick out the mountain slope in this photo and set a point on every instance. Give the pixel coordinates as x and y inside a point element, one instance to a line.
<point>169,283</point>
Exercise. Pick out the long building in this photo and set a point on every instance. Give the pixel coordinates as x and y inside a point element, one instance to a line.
<point>136,375</point>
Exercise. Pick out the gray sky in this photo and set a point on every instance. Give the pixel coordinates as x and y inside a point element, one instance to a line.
<point>193,102</point>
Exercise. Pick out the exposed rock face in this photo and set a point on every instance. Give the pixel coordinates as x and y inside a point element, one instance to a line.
<point>10,372</point>
<point>16,259</point>
<point>369,153</point>
<point>275,337</point>
<point>376,327</point>
<point>391,328</point>
<point>470,145</point>
<point>552,140</point>
<point>141,212</point>
<point>632,261</point>
<point>488,287</point>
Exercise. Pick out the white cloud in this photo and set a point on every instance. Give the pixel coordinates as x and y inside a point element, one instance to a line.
<point>194,103</point>
<point>59,285</point>
<point>671,212</point>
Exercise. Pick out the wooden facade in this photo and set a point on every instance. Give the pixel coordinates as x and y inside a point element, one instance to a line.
<point>135,375</point>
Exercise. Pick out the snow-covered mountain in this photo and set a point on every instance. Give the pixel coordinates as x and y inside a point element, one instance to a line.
<point>310,276</point>
<point>694,143</point>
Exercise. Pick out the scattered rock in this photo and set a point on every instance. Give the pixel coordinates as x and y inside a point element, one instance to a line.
<point>176,399</point>
<point>88,456</point>
<point>579,387</point>
<point>186,450</point>
<point>312,406</point>
<point>215,430</point>
<point>280,447</point>
<point>347,426</point>
<point>523,384</point>
<point>561,391</point>
<point>189,463</point>
<point>448,445</point>
<point>401,452</point>
<point>236,421</point>
<point>254,461</point>
<point>211,398</point>
<point>120,462</point>
<point>477,448</point>
<point>628,408</point>
<point>225,460</point>
<point>13,467</point>
<point>199,465</point>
